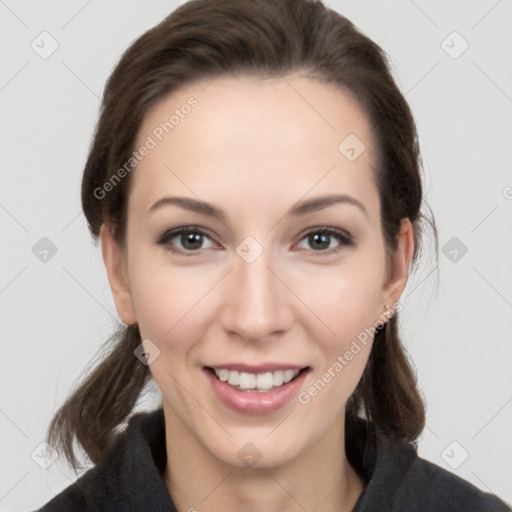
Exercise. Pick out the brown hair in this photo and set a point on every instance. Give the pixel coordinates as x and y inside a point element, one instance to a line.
<point>267,38</point>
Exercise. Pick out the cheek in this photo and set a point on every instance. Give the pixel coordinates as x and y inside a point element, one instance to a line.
<point>172,304</point>
<point>347,302</point>
<point>158,295</point>
<point>346,298</point>
<point>336,302</point>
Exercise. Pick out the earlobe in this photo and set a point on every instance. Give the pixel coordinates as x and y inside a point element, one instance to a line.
<point>115,265</point>
<point>400,264</point>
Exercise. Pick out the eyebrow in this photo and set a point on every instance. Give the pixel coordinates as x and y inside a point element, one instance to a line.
<point>299,209</point>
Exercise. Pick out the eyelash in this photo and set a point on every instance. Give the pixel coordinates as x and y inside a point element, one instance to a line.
<point>344,238</point>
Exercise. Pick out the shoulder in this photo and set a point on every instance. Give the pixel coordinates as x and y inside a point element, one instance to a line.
<point>398,480</point>
<point>71,498</point>
<point>134,462</point>
<point>427,486</point>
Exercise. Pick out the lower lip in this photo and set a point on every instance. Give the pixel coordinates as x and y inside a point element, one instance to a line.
<point>255,403</point>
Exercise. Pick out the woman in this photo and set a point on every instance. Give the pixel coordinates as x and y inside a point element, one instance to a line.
<point>254,181</point>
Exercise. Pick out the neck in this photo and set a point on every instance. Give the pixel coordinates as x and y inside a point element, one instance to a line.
<point>319,479</point>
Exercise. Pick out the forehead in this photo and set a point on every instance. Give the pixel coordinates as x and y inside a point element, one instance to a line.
<point>274,138</point>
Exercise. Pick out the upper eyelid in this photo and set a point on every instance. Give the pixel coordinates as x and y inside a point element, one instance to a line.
<point>171,233</point>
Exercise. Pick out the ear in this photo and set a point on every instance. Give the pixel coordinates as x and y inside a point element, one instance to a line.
<point>398,271</point>
<point>115,265</point>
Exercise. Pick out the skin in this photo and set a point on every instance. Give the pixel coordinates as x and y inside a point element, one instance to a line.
<point>255,148</point>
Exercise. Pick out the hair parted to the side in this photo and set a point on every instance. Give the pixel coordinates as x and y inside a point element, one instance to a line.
<point>265,38</point>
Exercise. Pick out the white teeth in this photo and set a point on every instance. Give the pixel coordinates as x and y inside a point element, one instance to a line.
<point>264,380</point>
<point>223,375</point>
<point>234,378</point>
<point>288,375</point>
<point>247,380</point>
<point>278,378</point>
<point>259,381</point>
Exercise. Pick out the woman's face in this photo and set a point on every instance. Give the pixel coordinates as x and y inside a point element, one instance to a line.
<point>285,274</point>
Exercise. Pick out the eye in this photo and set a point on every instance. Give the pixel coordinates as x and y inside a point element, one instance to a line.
<point>190,240</point>
<point>327,240</point>
<point>185,240</point>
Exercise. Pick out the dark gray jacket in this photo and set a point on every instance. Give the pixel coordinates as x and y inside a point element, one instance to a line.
<point>130,477</point>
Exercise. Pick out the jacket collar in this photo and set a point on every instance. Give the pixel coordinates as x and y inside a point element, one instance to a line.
<point>130,477</point>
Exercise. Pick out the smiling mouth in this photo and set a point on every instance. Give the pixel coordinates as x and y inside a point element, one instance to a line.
<point>256,382</point>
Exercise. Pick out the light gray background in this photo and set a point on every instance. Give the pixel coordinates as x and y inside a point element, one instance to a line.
<point>56,314</point>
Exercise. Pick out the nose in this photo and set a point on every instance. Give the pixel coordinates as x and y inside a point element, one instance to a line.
<point>257,305</point>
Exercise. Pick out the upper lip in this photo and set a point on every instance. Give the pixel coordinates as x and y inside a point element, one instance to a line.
<point>261,368</point>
